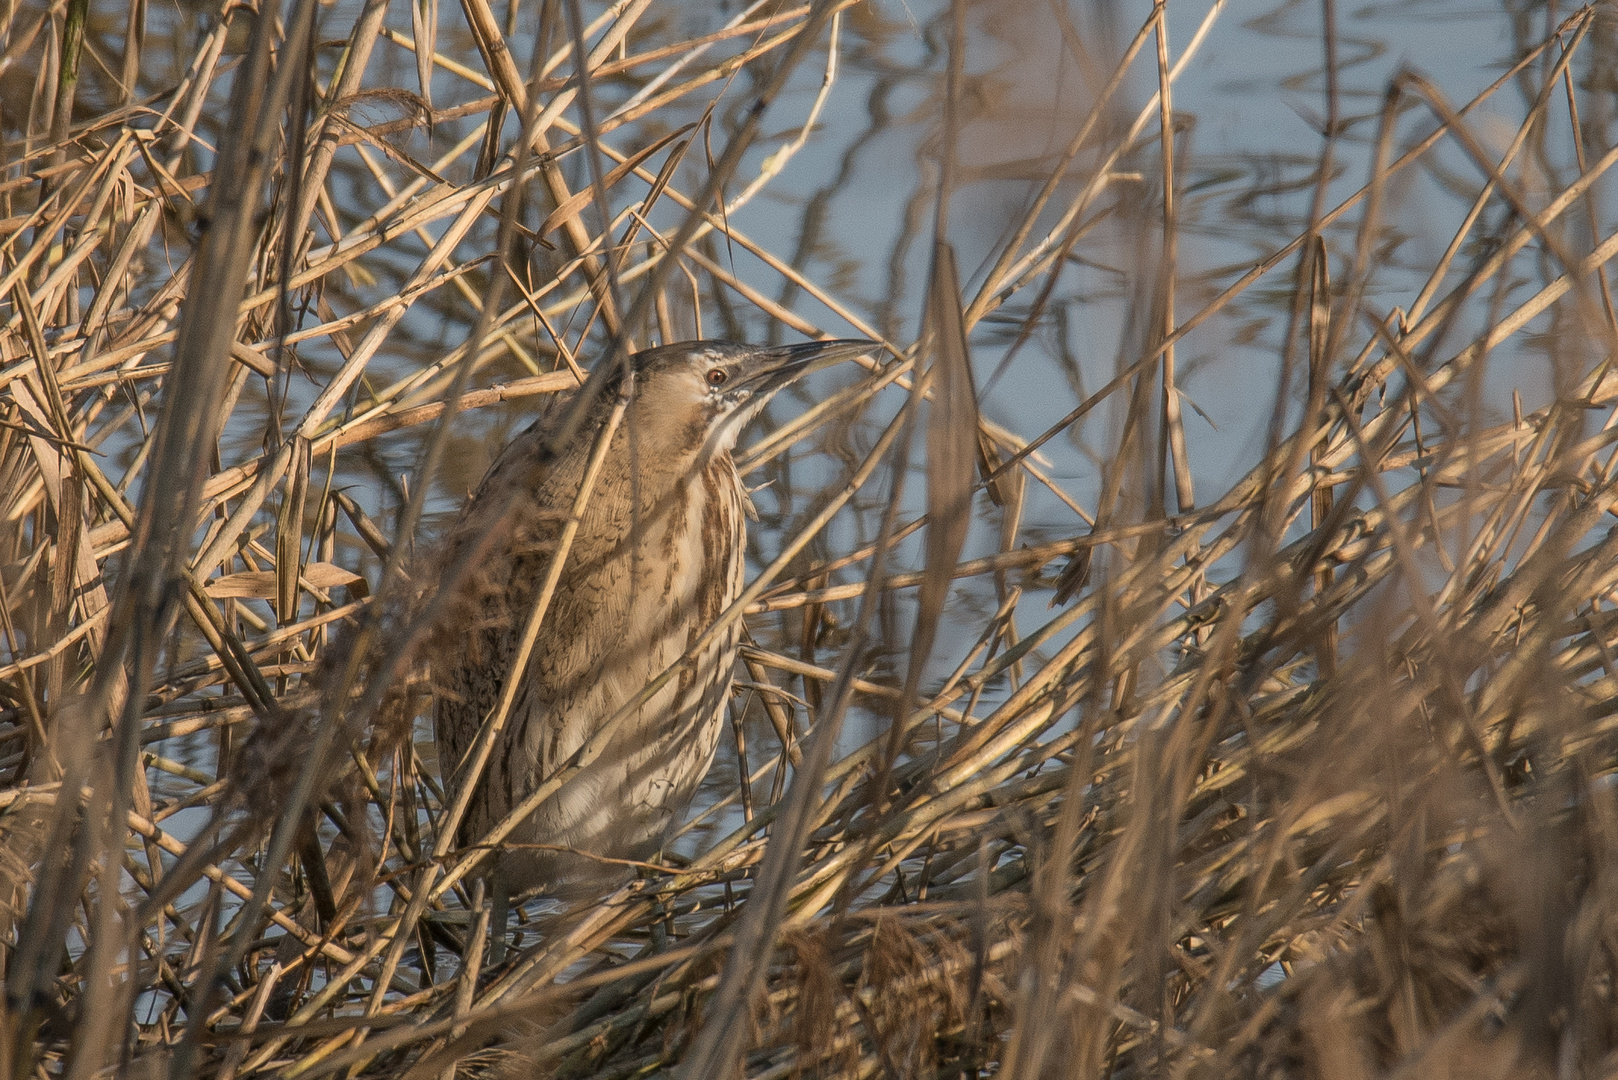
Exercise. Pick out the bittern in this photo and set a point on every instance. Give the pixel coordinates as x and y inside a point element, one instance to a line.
<point>658,554</point>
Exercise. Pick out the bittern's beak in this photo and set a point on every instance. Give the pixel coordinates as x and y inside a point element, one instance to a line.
<point>785,364</point>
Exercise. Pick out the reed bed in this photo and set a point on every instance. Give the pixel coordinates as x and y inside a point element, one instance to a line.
<point>1301,767</point>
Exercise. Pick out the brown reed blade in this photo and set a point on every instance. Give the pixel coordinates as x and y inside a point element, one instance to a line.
<point>952,436</point>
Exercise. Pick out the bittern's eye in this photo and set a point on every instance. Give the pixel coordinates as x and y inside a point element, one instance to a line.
<point>717,377</point>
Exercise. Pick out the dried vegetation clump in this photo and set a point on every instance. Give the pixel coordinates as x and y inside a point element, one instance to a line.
<point>1298,765</point>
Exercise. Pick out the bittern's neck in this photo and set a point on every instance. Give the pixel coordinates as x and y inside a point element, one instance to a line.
<point>648,463</point>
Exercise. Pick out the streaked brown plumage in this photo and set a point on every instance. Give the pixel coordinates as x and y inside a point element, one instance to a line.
<point>658,556</point>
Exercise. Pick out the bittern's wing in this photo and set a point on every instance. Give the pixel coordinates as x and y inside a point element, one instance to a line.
<point>482,560</point>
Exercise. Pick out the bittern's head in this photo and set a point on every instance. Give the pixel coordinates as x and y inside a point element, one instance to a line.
<point>703,392</point>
